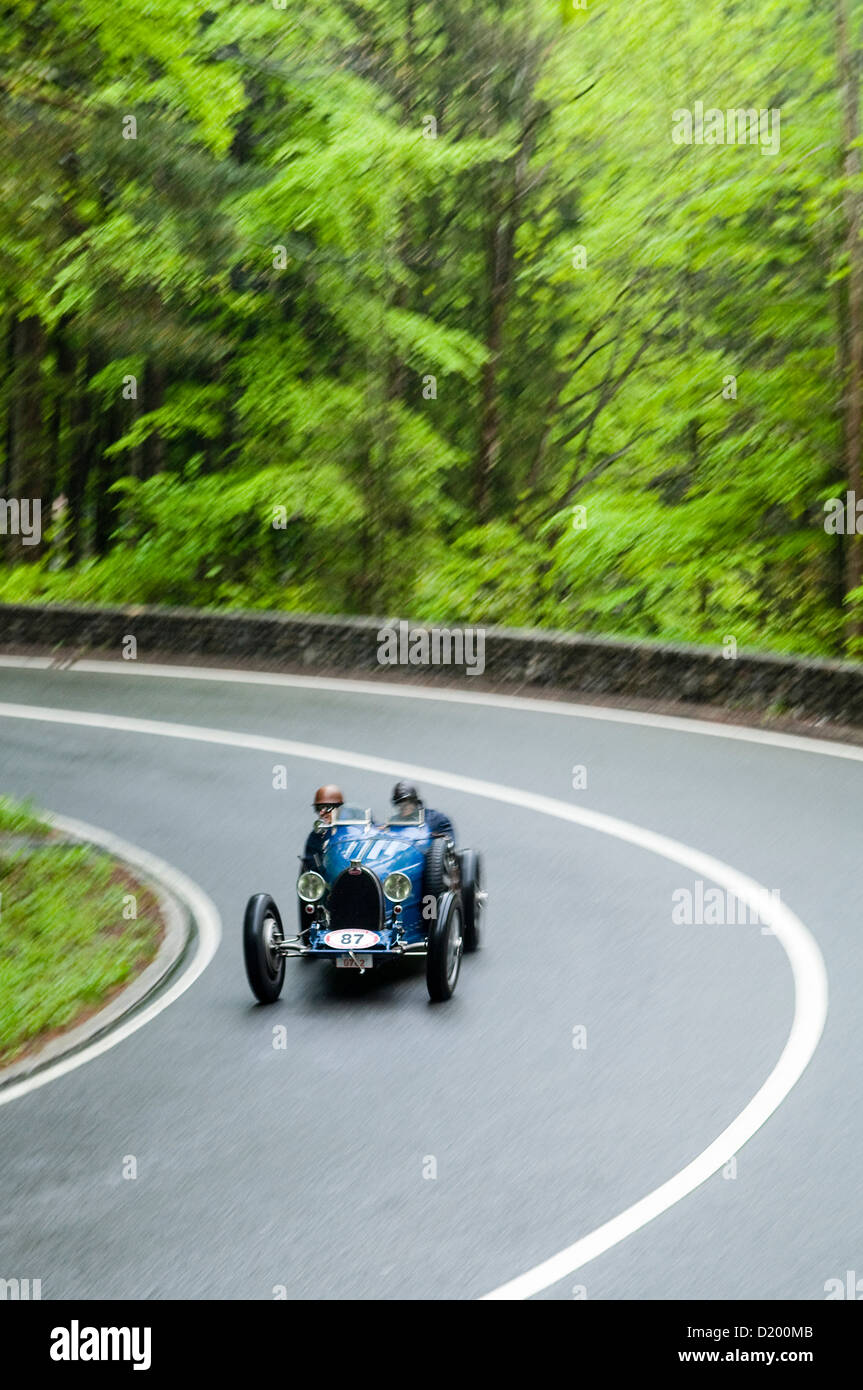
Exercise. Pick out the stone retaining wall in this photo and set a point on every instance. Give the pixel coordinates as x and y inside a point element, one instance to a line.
<point>514,659</point>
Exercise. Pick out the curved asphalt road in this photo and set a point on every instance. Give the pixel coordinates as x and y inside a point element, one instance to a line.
<point>303,1167</point>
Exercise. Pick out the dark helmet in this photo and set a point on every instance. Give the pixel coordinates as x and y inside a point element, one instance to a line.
<point>328,795</point>
<point>404,791</point>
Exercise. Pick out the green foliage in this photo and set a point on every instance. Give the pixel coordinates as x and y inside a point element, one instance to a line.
<point>19,817</point>
<point>340,262</point>
<point>486,575</point>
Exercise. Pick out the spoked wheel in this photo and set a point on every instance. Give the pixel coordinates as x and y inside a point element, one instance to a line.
<point>472,896</point>
<point>262,933</point>
<point>445,947</point>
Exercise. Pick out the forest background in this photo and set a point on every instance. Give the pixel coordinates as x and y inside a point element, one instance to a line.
<point>421,307</point>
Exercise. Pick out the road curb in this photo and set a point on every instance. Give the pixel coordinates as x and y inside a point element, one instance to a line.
<point>179,931</point>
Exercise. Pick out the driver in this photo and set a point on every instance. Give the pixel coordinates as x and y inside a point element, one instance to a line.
<point>327,801</point>
<point>406,800</point>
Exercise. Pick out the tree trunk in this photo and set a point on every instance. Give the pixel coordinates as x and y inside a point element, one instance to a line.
<point>852,405</point>
<point>28,452</point>
<point>153,448</point>
<point>81,426</point>
<point>26,465</point>
<point>500,244</point>
<point>9,441</point>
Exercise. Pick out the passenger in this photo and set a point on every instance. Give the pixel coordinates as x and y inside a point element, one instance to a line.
<point>407,801</point>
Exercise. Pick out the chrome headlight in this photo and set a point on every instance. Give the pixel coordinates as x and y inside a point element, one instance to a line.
<point>397,887</point>
<point>311,887</point>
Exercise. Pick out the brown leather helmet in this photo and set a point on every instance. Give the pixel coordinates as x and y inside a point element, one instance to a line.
<point>328,795</point>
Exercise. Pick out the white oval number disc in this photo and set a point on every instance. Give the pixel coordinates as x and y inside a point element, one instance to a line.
<point>351,940</point>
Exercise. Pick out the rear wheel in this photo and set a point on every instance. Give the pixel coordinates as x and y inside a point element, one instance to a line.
<point>445,946</point>
<point>472,897</point>
<point>262,933</point>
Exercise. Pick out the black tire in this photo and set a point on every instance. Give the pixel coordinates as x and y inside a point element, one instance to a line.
<point>441,868</point>
<point>471,889</point>
<point>446,940</point>
<point>265,970</point>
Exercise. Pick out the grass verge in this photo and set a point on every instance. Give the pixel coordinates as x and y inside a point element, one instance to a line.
<point>68,938</point>
<point>20,818</point>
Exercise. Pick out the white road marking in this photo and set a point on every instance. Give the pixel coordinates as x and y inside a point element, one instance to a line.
<point>209,926</point>
<point>807,964</point>
<point>672,723</point>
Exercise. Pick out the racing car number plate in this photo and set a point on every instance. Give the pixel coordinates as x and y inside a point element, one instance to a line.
<point>351,940</point>
<point>355,962</point>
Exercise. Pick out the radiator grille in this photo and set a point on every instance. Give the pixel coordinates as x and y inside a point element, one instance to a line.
<point>356,902</point>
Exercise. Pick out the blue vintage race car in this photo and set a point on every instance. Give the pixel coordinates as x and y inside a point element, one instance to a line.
<point>384,892</point>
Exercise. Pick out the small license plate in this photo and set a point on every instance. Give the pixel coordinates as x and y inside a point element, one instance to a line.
<point>354,962</point>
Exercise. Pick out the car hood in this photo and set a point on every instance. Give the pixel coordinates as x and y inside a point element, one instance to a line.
<point>380,851</point>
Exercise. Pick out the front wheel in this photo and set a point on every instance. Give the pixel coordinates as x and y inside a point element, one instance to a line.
<point>262,933</point>
<point>445,945</point>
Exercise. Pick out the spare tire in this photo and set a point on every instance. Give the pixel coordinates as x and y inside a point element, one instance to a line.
<point>441,867</point>
<point>471,896</point>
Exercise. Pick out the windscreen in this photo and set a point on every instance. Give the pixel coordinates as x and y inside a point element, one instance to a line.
<point>352,815</point>
<point>408,813</point>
